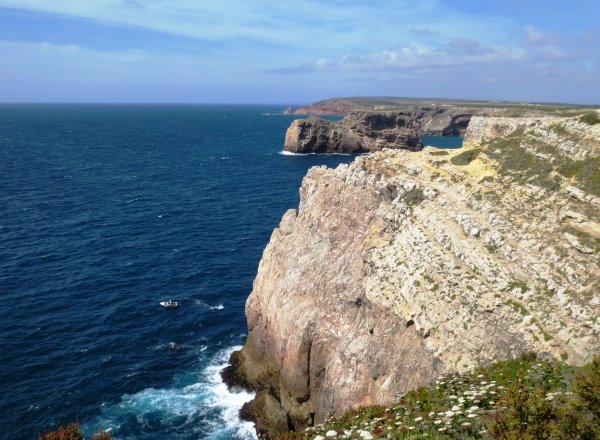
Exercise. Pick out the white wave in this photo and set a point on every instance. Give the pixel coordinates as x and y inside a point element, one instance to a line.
<point>217,307</point>
<point>228,402</point>
<point>206,408</point>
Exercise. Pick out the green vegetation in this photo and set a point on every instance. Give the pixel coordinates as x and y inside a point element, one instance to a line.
<point>73,432</point>
<point>590,118</point>
<point>508,108</point>
<point>586,172</point>
<point>547,336</point>
<point>522,165</point>
<point>439,153</point>
<point>492,247</point>
<point>414,196</point>
<point>523,399</point>
<point>518,284</point>
<point>466,157</point>
<point>518,307</point>
<point>585,239</point>
<point>518,163</point>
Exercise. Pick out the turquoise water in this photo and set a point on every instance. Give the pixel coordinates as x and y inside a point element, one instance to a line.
<point>442,141</point>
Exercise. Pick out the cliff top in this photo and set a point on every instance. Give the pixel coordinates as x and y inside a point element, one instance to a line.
<point>342,106</point>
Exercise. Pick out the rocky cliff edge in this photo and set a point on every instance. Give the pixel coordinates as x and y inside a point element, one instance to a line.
<point>366,131</point>
<point>403,266</point>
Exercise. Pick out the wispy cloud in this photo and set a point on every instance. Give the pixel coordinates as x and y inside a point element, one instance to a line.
<point>459,51</point>
<point>276,50</point>
<point>302,25</point>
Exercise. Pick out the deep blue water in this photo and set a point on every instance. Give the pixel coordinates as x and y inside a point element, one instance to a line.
<point>104,212</point>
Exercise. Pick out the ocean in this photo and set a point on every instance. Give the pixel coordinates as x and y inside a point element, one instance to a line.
<point>106,210</point>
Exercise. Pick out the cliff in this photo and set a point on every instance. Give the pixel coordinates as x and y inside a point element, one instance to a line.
<point>403,266</point>
<point>366,131</point>
<point>343,106</point>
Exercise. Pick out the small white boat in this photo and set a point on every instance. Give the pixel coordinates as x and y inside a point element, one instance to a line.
<point>169,304</point>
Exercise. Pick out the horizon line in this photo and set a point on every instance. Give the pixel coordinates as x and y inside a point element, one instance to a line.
<point>287,104</point>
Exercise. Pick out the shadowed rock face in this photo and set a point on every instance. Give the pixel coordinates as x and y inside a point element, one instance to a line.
<point>403,266</point>
<point>364,131</point>
<point>320,136</point>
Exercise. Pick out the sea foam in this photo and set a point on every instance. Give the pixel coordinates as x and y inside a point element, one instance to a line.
<point>170,409</point>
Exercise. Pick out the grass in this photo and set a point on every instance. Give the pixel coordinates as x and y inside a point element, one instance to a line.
<point>517,399</point>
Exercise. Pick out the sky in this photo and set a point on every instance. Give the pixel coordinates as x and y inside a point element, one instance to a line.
<point>296,52</point>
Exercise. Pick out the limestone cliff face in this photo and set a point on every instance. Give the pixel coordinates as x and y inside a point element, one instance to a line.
<point>406,265</point>
<point>364,131</point>
<point>496,127</point>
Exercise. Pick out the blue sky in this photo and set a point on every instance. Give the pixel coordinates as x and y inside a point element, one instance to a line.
<point>279,51</point>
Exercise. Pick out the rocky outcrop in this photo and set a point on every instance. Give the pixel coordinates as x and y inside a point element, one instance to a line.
<point>314,135</point>
<point>366,131</point>
<point>496,127</point>
<point>403,266</point>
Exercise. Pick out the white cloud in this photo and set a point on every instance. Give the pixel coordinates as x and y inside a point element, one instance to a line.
<point>456,53</point>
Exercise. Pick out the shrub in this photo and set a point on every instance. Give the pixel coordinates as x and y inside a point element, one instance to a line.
<point>414,196</point>
<point>520,399</point>
<point>465,158</point>
<point>590,118</point>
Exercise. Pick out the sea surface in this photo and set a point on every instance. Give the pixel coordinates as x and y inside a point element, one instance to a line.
<point>106,210</point>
